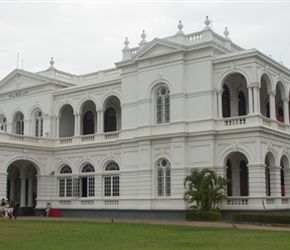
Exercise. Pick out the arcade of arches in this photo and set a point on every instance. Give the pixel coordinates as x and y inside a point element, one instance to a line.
<point>240,98</point>
<point>273,180</point>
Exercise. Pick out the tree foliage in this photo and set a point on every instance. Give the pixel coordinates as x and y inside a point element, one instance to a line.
<point>205,189</point>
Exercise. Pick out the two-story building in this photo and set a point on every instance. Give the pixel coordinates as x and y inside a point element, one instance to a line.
<point>119,142</point>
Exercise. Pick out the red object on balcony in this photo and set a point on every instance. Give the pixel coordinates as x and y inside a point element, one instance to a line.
<point>280,119</point>
<point>54,212</point>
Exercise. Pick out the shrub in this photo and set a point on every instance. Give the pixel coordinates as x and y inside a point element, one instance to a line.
<point>203,216</point>
<point>267,218</point>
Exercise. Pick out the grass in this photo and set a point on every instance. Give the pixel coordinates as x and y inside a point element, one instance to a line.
<point>17,234</point>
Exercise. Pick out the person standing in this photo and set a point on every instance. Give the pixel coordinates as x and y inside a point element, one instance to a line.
<point>12,203</point>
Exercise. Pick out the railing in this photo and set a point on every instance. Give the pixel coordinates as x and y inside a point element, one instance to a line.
<point>64,203</point>
<point>63,75</point>
<point>87,203</point>
<point>263,203</point>
<point>237,201</point>
<point>191,38</point>
<point>111,135</point>
<point>111,202</point>
<point>23,138</point>
<point>66,141</point>
<point>87,138</point>
<point>235,121</point>
<point>102,74</point>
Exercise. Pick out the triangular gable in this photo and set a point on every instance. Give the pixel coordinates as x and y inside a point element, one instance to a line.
<point>20,79</point>
<point>157,47</point>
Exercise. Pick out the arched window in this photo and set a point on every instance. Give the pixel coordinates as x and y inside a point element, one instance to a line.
<point>3,124</point>
<point>112,180</point>
<point>163,105</point>
<point>88,182</point>
<point>110,120</point>
<point>65,183</point>
<point>38,124</point>
<point>19,122</point>
<point>89,123</point>
<point>163,178</point>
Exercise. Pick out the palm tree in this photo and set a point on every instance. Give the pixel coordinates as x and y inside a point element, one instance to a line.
<point>205,189</point>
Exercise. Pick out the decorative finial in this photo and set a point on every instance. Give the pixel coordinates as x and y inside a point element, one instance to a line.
<point>51,63</point>
<point>126,42</point>
<point>143,41</point>
<point>180,26</point>
<point>207,21</point>
<point>226,33</point>
<point>143,35</point>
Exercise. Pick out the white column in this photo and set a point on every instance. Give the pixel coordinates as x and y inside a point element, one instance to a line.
<point>12,191</point>
<point>275,180</point>
<point>3,184</point>
<point>30,193</point>
<point>272,105</point>
<point>77,124</point>
<point>101,130</point>
<point>98,121</point>
<point>257,180</point>
<point>57,127</point>
<point>27,127</point>
<point>220,104</point>
<point>256,98</point>
<point>250,100</point>
<point>235,182</point>
<point>23,192</point>
<point>286,111</point>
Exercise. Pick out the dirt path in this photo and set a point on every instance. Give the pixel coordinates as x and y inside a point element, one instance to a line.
<point>164,222</point>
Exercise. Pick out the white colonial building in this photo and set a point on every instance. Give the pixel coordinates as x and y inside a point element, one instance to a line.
<point>119,142</point>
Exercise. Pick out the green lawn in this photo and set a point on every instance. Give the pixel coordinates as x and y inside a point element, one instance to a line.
<point>17,234</point>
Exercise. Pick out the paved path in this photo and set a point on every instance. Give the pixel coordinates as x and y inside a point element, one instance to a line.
<point>164,222</point>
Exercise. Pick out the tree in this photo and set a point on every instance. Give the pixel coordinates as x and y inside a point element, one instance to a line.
<point>205,189</point>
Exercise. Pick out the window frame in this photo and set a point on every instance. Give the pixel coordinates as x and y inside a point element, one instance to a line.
<point>162,108</point>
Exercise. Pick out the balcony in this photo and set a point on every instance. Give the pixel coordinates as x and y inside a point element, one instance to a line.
<point>250,121</point>
<point>258,203</point>
<point>47,142</point>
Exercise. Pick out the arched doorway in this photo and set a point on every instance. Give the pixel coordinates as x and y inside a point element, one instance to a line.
<point>22,185</point>
<point>237,173</point>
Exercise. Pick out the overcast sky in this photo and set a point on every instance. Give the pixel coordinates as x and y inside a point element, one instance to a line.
<point>85,37</point>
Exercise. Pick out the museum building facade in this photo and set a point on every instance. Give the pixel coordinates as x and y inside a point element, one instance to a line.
<point>119,142</point>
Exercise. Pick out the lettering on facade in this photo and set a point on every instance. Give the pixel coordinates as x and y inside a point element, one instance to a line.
<point>19,94</point>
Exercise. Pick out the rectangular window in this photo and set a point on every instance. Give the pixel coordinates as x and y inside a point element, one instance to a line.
<point>65,187</point>
<point>167,109</point>
<point>91,185</point>
<point>111,186</point>
<point>76,187</point>
<point>160,183</point>
<point>68,187</point>
<point>115,185</point>
<point>36,127</point>
<point>107,186</point>
<point>61,188</point>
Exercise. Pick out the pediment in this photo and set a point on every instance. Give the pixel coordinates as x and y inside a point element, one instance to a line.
<point>20,79</point>
<point>157,47</point>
